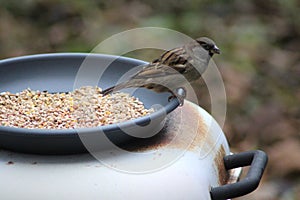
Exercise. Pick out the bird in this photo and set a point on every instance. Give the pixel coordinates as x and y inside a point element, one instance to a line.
<point>175,67</point>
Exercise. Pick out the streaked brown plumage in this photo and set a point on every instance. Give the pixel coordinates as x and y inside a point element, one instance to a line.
<point>173,68</point>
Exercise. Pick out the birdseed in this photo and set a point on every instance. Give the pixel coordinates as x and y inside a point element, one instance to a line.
<point>84,107</point>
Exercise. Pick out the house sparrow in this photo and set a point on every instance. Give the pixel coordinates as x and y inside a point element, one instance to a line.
<point>173,68</point>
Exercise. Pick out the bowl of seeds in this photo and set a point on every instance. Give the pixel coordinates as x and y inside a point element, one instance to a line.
<point>46,108</point>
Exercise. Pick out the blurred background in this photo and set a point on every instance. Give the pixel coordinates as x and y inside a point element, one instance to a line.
<point>260,61</point>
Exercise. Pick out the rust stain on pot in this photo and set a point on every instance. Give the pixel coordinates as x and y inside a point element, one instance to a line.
<point>219,163</point>
<point>184,129</point>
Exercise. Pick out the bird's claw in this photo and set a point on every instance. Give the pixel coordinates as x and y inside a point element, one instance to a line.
<point>180,94</point>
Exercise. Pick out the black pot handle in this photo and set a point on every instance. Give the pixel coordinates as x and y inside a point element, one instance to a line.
<point>256,159</point>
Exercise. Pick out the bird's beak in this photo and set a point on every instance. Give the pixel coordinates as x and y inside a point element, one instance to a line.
<point>216,50</point>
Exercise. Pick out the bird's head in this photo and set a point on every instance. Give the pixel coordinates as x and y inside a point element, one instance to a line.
<point>208,45</point>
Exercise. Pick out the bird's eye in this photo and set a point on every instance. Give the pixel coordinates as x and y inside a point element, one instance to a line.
<point>206,46</point>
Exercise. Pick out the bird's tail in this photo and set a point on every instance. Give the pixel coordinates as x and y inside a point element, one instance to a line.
<point>108,91</point>
<point>115,88</point>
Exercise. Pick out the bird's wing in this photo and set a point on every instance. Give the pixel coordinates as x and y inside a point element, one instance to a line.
<point>175,58</point>
<point>153,70</point>
<point>149,72</point>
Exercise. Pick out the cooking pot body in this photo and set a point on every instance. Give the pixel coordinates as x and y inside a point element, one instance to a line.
<point>185,160</point>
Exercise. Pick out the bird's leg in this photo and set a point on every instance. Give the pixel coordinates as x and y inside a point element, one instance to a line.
<point>180,94</point>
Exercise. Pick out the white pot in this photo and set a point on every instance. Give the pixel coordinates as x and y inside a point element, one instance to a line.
<point>185,161</point>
